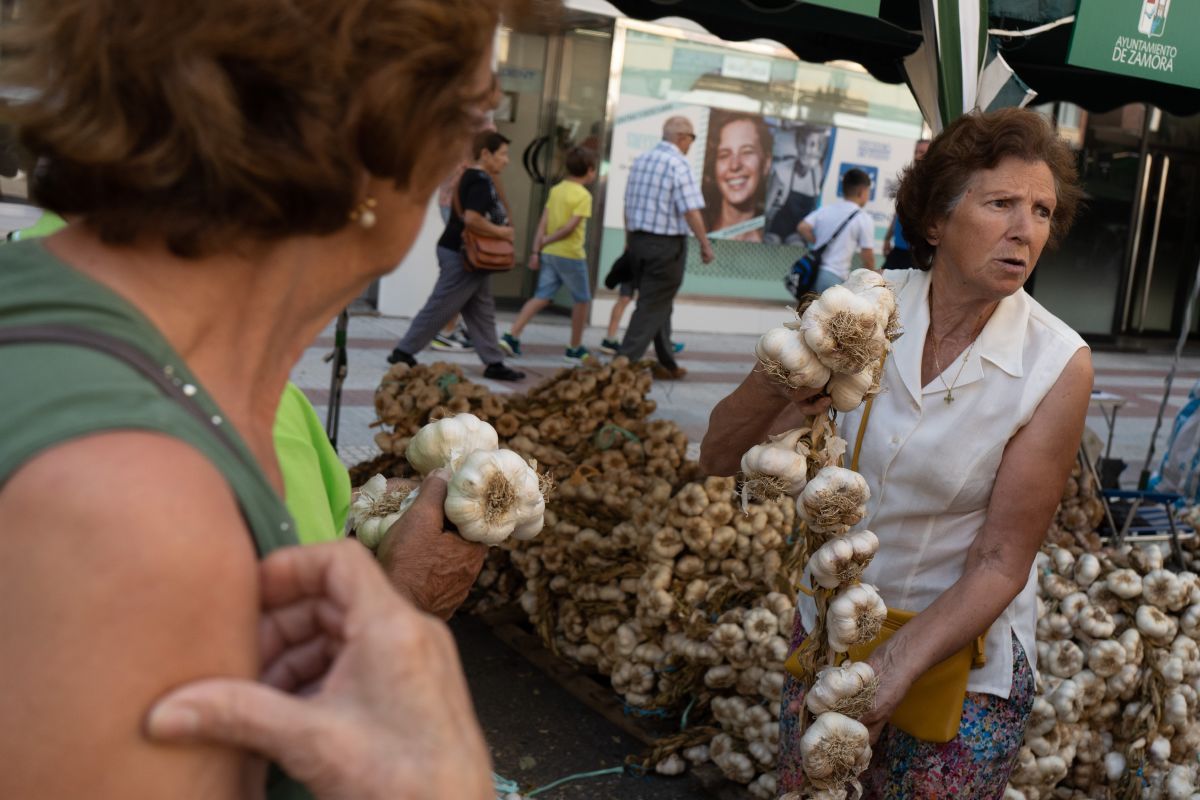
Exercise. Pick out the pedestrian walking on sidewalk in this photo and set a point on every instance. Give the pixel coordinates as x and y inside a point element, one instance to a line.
<point>610,344</point>
<point>841,227</point>
<point>459,290</point>
<point>662,202</point>
<point>559,256</point>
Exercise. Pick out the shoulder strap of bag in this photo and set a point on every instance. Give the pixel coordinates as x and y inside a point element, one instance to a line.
<point>838,232</point>
<point>127,353</point>
<point>456,200</point>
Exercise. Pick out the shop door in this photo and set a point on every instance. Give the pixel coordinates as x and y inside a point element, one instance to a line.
<point>1165,245</point>
<point>555,96</point>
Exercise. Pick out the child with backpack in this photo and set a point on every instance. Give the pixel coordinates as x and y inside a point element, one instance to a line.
<point>559,256</point>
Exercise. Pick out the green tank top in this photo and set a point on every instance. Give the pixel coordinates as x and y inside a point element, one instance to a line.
<point>53,392</point>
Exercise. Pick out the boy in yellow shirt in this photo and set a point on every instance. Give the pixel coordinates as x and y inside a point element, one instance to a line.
<point>559,255</point>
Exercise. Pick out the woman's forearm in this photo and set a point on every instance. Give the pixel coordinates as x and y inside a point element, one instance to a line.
<point>743,419</point>
<point>962,613</point>
<point>477,223</point>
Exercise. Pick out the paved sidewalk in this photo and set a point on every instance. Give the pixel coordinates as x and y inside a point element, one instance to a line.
<point>715,363</point>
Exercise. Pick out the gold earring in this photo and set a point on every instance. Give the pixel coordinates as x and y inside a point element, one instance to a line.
<point>364,213</point>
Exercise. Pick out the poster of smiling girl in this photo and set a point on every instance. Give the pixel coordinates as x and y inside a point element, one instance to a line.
<point>737,161</point>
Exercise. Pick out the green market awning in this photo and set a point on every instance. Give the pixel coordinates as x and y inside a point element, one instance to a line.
<point>816,31</point>
<point>819,33</point>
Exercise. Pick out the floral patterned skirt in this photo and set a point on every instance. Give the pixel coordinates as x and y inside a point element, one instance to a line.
<point>974,765</point>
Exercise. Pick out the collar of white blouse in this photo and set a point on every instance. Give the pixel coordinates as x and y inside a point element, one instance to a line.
<point>1001,341</point>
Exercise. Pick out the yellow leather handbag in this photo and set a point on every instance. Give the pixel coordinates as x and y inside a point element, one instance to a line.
<point>932,709</point>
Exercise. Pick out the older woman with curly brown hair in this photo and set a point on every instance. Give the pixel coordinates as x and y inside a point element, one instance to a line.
<point>966,451</point>
<point>236,171</point>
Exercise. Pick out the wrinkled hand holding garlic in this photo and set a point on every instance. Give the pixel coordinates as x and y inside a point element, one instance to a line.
<point>492,494</point>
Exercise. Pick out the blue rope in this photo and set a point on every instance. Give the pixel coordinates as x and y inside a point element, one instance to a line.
<point>683,721</point>
<point>579,776</point>
<point>645,712</point>
<point>504,786</point>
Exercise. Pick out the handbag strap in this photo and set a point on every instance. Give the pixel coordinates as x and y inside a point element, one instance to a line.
<point>173,387</point>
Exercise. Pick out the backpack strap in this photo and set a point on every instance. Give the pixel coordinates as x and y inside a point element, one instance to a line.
<point>839,230</point>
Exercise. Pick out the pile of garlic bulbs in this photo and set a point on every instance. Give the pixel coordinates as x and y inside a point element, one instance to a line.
<point>556,423</point>
<point>492,493</point>
<point>1118,679</point>
<point>838,342</point>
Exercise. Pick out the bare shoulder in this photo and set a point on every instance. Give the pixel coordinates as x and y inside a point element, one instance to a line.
<point>125,570</point>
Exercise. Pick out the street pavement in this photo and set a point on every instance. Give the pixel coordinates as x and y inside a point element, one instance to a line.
<point>715,363</point>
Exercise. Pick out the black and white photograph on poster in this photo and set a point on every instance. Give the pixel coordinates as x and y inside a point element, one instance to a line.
<point>737,161</point>
<point>799,161</point>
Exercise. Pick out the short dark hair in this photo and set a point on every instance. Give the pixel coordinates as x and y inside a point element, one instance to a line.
<point>931,188</point>
<point>853,180</point>
<point>579,160</point>
<point>487,140</point>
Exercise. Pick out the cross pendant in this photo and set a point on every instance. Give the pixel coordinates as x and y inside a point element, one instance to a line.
<point>949,398</point>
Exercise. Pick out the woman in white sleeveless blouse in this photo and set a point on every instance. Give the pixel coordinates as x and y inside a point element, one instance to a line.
<point>967,450</point>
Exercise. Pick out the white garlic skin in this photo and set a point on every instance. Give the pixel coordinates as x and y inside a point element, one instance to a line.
<point>835,684</point>
<point>448,441</point>
<point>787,348</point>
<point>854,617</point>
<point>782,457</point>
<point>847,392</point>
<point>848,733</point>
<point>466,496</point>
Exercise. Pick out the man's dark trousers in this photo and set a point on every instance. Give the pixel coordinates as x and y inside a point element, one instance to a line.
<point>658,263</point>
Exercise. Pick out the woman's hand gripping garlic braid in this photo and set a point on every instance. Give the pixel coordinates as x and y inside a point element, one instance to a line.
<point>761,406</point>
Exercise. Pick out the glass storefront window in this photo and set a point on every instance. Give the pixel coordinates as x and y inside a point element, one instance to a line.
<point>796,127</point>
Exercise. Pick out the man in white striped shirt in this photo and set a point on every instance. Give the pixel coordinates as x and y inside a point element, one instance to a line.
<point>662,201</point>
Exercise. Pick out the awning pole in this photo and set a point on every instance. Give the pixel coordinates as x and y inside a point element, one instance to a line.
<point>1144,478</point>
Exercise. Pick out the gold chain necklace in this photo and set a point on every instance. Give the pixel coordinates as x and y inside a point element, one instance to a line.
<point>949,398</point>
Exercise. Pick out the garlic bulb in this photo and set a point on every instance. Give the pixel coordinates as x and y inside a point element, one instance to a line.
<point>375,510</point>
<point>848,391</point>
<point>1095,622</point>
<point>861,280</point>
<point>1106,658</point>
<point>834,750</point>
<point>1154,624</point>
<point>785,355</point>
<point>842,559</point>
<point>848,689</point>
<point>1124,583</point>
<point>1087,569</point>
<point>842,328</point>
<point>833,500</point>
<point>855,616</point>
<point>491,494</point>
<point>778,467</point>
<point>1160,588</point>
<point>1065,658</point>
<point>448,441</point>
